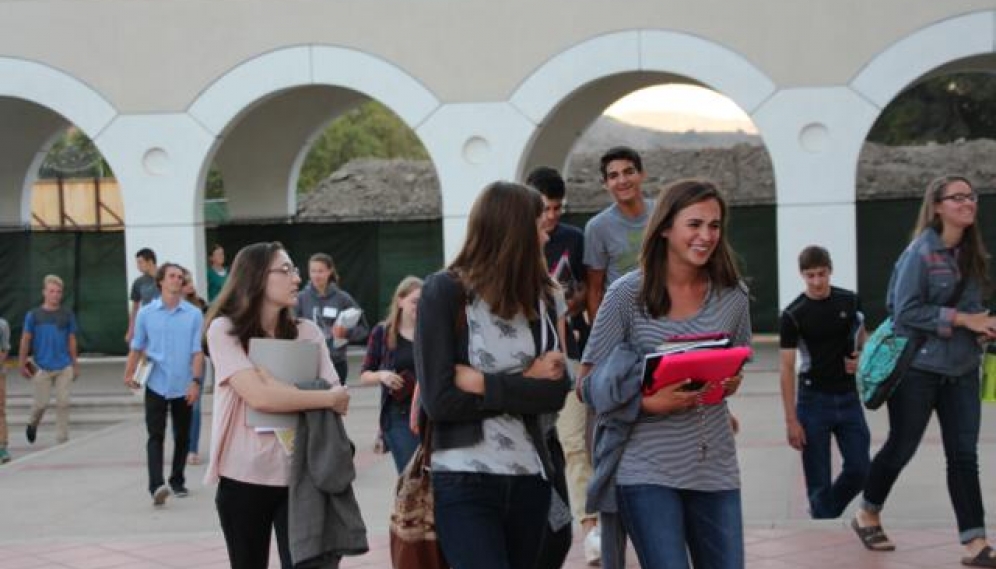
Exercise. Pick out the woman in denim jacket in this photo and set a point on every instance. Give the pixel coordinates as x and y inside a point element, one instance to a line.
<point>944,376</point>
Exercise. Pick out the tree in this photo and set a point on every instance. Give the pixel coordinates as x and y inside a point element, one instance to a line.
<point>940,109</point>
<point>370,130</point>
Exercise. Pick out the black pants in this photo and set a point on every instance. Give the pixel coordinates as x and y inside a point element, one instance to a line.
<point>247,513</point>
<point>156,407</point>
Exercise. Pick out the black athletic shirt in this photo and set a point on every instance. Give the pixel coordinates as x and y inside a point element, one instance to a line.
<point>824,333</point>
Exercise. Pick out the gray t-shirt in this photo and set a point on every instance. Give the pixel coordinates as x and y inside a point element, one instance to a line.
<point>144,290</point>
<point>665,449</point>
<point>612,241</point>
<point>497,345</point>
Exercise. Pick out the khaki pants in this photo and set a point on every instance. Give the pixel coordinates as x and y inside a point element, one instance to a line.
<point>3,408</point>
<point>43,382</point>
<point>571,429</point>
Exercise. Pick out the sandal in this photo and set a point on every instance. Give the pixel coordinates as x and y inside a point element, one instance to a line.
<point>874,539</point>
<point>984,558</point>
<point>193,459</point>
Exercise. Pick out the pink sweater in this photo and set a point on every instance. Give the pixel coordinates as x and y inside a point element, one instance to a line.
<point>237,450</point>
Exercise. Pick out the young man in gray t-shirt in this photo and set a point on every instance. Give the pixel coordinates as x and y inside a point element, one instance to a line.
<point>612,239</point>
<point>144,289</point>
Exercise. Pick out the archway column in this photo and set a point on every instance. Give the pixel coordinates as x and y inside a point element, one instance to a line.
<point>814,137</point>
<point>158,161</point>
<point>472,145</point>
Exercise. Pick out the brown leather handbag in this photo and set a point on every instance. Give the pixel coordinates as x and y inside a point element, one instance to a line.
<point>414,544</point>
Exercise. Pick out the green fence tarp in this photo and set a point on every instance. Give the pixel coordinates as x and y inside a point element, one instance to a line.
<point>373,257</point>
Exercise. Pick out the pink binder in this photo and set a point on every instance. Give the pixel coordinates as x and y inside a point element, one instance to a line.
<point>701,366</point>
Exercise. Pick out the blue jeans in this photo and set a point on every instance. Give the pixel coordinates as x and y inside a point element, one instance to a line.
<point>956,400</point>
<point>490,521</point>
<point>400,439</point>
<point>669,525</point>
<point>839,415</point>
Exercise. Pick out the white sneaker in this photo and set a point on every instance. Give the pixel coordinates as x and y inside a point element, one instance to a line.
<point>593,546</point>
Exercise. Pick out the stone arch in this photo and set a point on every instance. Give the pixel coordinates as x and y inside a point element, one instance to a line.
<point>923,52</point>
<point>43,101</point>
<point>573,87</point>
<point>283,73</point>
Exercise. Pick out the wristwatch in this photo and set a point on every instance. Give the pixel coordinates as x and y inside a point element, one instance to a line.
<point>199,380</point>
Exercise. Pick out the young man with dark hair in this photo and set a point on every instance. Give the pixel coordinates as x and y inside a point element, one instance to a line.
<point>143,289</point>
<point>614,236</point>
<point>168,333</point>
<point>825,325</point>
<point>564,251</point>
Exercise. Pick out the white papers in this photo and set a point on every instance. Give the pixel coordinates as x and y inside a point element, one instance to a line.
<point>678,346</point>
<point>290,361</point>
<point>349,317</point>
<point>143,371</point>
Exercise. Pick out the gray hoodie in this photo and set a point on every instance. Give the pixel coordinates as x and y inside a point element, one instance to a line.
<point>323,310</point>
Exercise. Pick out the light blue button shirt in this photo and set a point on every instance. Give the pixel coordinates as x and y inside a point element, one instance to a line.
<point>169,338</point>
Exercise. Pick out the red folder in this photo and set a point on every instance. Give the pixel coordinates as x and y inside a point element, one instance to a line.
<point>708,367</point>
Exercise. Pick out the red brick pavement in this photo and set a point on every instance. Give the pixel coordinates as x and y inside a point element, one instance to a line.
<point>808,548</point>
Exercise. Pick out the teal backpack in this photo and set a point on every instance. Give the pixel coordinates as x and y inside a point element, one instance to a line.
<point>886,356</point>
<point>884,360</point>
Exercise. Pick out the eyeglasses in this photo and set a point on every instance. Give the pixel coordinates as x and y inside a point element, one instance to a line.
<point>286,269</point>
<point>961,197</point>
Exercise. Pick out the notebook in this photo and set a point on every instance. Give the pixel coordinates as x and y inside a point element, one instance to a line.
<point>705,367</point>
<point>290,361</point>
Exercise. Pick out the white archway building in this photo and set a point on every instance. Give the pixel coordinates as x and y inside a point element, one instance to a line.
<point>168,87</point>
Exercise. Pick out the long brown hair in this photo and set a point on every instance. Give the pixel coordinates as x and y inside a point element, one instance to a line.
<point>407,286</point>
<point>501,260</point>
<point>973,259</point>
<point>241,299</point>
<point>721,266</point>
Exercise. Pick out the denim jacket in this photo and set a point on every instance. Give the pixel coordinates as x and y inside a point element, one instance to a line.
<point>923,282</point>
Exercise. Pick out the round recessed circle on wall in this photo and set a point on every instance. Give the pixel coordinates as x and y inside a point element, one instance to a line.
<point>476,150</point>
<point>814,137</point>
<point>156,161</point>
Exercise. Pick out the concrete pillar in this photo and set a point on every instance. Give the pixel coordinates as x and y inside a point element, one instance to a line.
<point>158,161</point>
<point>814,137</point>
<point>472,145</point>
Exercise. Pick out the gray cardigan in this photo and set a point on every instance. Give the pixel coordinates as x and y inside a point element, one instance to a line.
<point>324,521</point>
<point>613,392</point>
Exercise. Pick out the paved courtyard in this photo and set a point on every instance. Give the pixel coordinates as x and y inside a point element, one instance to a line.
<point>83,504</point>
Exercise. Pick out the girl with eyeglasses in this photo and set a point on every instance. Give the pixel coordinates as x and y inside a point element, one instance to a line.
<point>937,292</point>
<point>251,468</point>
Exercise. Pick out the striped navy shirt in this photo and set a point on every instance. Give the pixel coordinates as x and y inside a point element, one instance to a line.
<point>665,449</point>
